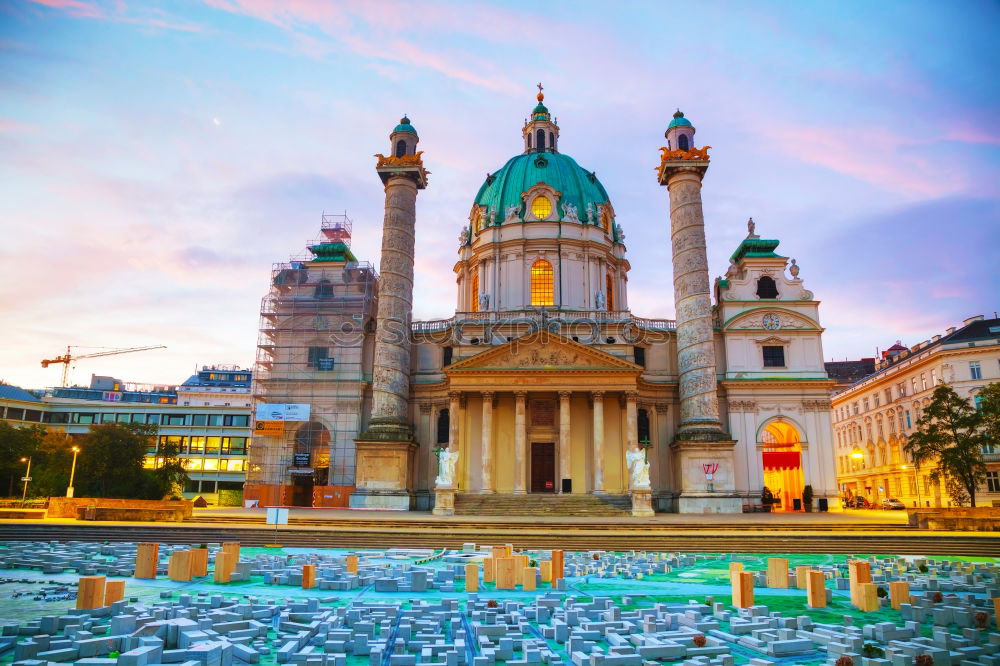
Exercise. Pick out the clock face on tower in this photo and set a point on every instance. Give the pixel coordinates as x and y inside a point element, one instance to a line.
<point>771,322</point>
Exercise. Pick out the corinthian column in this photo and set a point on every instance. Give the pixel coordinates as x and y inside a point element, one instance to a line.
<point>564,439</point>
<point>520,442</point>
<point>598,399</point>
<point>487,475</point>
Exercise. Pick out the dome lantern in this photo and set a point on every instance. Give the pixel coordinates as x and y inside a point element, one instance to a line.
<point>541,134</point>
<point>403,139</point>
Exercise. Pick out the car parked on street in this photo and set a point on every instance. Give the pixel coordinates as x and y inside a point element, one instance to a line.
<point>892,504</point>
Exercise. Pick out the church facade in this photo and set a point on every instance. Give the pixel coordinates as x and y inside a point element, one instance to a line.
<point>544,381</point>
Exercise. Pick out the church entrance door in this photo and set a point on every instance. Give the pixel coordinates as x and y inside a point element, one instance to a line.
<point>302,490</point>
<point>543,467</point>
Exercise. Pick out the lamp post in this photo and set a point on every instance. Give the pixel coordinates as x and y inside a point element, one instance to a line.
<point>857,456</point>
<point>27,477</point>
<point>72,473</point>
<point>916,482</point>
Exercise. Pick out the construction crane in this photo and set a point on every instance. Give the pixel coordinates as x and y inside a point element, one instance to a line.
<point>69,357</point>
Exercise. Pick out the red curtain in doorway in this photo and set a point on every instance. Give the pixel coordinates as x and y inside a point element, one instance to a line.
<point>782,460</point>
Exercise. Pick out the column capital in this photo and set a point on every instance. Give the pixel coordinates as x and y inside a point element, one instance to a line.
<point>631,396</point>
<point>565,395</point>
<point>454,395</point>
<point>597,395</point>
<point>520,395</point>
<point>425,407</point>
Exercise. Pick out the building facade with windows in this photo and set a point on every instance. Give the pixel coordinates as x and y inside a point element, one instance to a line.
<point>207,418</point>
<point>543,381</point>
<point>873,416</point>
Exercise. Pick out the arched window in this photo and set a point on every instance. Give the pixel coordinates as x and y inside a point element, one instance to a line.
<point>540,140</point>
<point>541,207</point>
<point>609,285</point>
<point>642,426</point>
<point>682,142</point>
<point>475,292</point>
<point>529,140</point>
<point>552,140</point>
<point>442,427</point>
<point>309,437</point>
<point>542,287</point>
<point>324,289</point>
<point>766,288</point>
<point>400,148</point>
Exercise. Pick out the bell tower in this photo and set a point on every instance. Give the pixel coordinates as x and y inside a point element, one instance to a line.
<point>385,450</point>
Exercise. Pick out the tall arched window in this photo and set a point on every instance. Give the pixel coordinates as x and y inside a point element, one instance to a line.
<point>609,285</point>
<point>442,427</point>
<point>542,286</point>
<point>475,292</point>
<point>400,148</point>
<point>540,140</point>
<point>766,288</point>
<point>642,426</point>
<point>682,142</point>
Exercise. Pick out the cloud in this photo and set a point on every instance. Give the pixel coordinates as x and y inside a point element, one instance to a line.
<point>146,17</point>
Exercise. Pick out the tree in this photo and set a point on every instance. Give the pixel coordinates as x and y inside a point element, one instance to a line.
<point>950,433</point>
<point>169,475</point>
<point>16,442</point>
<point>50,466</point>
<point>111,461</point>
<point>988,400</point>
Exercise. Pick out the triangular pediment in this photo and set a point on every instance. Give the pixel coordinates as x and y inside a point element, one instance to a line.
<point>543,351</point>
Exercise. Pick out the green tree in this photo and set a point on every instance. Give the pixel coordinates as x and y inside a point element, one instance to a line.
<point>16,442</point>
<point>111,461</point>
<point>989,409</point>
<point>168,476</point>
<point>950,434</point>
<point>50,466</point>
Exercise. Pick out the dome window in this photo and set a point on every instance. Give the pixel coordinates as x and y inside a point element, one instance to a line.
<point>540,139</point>
<point>475,292</point>
<point>541,207</point>
<point>542,284</point>
<point>400,148</point>
<point>682,143</point>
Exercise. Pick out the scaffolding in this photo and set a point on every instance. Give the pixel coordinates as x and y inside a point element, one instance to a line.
<point>315,348</point>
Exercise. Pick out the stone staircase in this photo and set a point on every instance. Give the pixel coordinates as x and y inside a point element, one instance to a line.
<point>467,504</point>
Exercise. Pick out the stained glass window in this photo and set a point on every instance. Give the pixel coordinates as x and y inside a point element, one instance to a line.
<point>542,289</point>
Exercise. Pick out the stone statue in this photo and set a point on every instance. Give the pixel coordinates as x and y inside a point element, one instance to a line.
<point>619,233</point>
<point>511,212</point>
<point>590,214</point>
<point>569,212</point>
<point>599,302</point>
<point>751,227</point>
<point>794,270</point>
<point>638,469</point>
<point>463,237</point>
<point>484,302</point>
<point>493,216</point>
<point>446,469</point>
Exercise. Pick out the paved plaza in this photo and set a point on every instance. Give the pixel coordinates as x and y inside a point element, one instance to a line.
<point>219,604</point>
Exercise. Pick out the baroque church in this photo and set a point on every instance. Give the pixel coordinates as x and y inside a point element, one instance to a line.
<point>543,382</point>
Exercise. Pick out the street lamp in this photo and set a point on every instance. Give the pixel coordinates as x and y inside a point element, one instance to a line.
<point>26,478</point>
<point>916,482</point>
<point>72,472</point>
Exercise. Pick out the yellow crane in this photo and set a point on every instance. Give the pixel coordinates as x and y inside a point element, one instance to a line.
<point>69,357</point>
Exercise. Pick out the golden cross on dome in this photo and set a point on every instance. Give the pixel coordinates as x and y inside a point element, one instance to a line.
<point>541,96</point>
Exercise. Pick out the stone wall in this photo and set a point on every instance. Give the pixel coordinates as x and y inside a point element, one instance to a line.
<point>66,507</point>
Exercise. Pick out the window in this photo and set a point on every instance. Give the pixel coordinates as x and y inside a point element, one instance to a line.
<point>236,420</point>
<point>198,444</point>
<point>923,382</point>
<point>475,292</point>
<point>609,285</point>
<point>442,427</point>
<point>540,140</point>
<point>878,400</point>
<point>766,288</point>
<point>324,289</point>
<point>448,353</point>
<point>212,444</point>
<point>640,356</point>
<point>541,207</point>
<point>153,418</point>
<point>774,356</point>
<point>174,419</point>
<point>542,288</point>
<point>902,389</point>
<point>855,408</point>
<point>682,142</point>
<point>400,148</point>
<point>867,405</point>
<point>642,425</point>
<point>934,378</point>
<point>974,370</point>
<point>888,396</point>
<point>199,419</point>
<point>319,358</point>
<point>993,482</point>
<point>215,419</point>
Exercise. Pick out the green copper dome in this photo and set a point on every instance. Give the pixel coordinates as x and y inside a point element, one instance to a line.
<point>679,121</point>
<point>560,172</point>
<point>404,126</point>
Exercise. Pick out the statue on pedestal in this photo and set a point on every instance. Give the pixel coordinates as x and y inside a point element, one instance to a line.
<point>599,301</point>
<point>446,469</point>
<point>638,469</point>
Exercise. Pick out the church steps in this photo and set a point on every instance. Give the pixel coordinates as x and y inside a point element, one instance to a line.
<point>495,504</point>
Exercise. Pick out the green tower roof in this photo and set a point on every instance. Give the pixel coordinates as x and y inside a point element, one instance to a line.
<point>560,172</point>
<point>756,248</point>
<point>679,120</point>
<point>404,126</point>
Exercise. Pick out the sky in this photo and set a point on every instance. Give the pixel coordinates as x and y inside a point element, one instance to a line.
<point>157,158</point>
